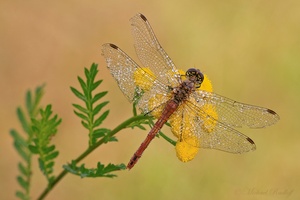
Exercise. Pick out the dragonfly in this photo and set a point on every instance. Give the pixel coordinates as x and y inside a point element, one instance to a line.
<point>170,95</point>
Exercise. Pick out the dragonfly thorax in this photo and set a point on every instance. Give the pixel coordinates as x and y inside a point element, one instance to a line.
<point>183,91</point>
<point>195,76</point>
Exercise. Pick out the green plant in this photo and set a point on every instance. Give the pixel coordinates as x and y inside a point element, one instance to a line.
<point>40,125</point>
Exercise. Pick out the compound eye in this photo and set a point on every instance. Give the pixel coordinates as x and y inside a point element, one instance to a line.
<point>195,75</point>
<point>200,77</point>
<point>191,72</point>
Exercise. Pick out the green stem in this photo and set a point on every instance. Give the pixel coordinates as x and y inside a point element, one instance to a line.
<point>167,138</point>
<point>91,149</point>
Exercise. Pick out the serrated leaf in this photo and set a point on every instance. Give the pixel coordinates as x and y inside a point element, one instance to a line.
<point>49,171</point>
<point>50,164</point>
<point>82,116</point>
<point>53,122</point>
<point>47,150</point>
<point>111,167</point>
<point>78,94</point>
<point>111,139</point>
<point>33,149</point>
<point>100,132</point>
<point>80,108</point>
<point>87,73</point>
<point>93,72</point>
<point>46,127</point>
<point>23,170</point>
<point>94,68</point>
<point>96,84</point>
<point>21,195</point>
<point>85,125</point>
<point>39,91</point>
<point>82,84</point>
<point>99,107</point>
<point>20,145</point>
<point>98,96</point>
<point>100,167</point>
<point>101,118</point>
<point>29,102</point>
<point>35,122</point>
<point>47,110</point>
<point>23,120</point>
<point>18,138</point>
<point>52,155</point>
<point>42,165</point>
<point>22,182</point>
<point>100,171</point>
<point>57,122</point>
<point>104,171</point>
<point>141,127</point>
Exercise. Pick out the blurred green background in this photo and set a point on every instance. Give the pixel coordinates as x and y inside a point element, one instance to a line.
<point>249,49</point>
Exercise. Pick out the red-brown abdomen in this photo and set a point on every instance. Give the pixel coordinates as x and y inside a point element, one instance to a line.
<point>169,109</point>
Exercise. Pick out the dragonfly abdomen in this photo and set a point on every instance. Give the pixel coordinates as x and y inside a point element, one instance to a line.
<point>169,109</point>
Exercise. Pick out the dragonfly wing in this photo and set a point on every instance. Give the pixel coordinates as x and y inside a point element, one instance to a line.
<point>206,132</point>
<point>137,84</point>
<point>233,113</point>
<point>151,54</point>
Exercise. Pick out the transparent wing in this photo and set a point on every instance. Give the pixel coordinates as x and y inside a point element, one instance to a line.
<point>207,120</point>
<point>233,113</point>
<point>151,54</point>
<point>205,132</point>
<point>137,84</point>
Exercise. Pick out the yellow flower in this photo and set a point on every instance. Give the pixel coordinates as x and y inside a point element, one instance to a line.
<point>144,78</point>
<point>184,151</point>
<point>182,126</point>
<point>153,105</point>
<point>206,85</point>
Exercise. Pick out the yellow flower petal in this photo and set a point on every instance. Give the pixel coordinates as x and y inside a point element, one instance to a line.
<point>209,124</point>
<point>144,78</point>
<point>181,123</point>
<point>185,152</point>
<point>206,84</point>
<point>153,105</point>
<point>182,127</point>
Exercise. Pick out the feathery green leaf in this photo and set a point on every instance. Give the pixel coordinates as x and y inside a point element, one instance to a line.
<point>82,116</point>
<point>78,94</point>
<point>101,118</point>
<point>89,113</point>
<point>98,96</point>
<point>80,108</point>
<point>99,107</point>
<point>96,84</point>
<point>22,182</point>
<point>33,149</point>
<point>100,171</point>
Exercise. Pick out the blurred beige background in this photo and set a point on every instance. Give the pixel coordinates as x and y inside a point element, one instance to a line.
<point>249,49</point>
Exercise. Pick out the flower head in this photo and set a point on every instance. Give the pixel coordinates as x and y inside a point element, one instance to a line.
<point>181,122</point>
<point>144,78</point>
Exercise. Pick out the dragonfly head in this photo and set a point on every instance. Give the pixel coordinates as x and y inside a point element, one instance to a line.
<point>195,76</point>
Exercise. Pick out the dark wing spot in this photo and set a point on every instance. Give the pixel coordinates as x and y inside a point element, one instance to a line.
<point>271,112</point>
<point>250,140</point>
<point>143,17</point>
<point>113,46</point>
